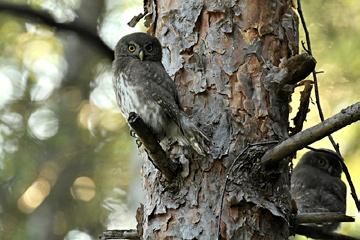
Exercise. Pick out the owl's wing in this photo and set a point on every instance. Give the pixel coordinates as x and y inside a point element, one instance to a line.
<point>165,81</point>
<point>305,190</point>
<point>314,191</point>
<point>334,195</point>
<point>301,179</point>
<point>162,89</point>
<point>165,94</point>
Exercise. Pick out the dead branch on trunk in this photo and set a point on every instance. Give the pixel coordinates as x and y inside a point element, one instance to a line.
<point>298,68</point>
<point>136,19</point>
<point>156,154</point>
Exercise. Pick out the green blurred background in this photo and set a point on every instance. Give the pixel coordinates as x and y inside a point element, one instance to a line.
<point>68,167</point>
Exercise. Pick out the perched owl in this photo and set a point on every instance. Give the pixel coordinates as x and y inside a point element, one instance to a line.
<point>316,185</point>
<point>143,86</point>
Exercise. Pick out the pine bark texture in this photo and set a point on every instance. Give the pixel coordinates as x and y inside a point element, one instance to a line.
<point>224,57</point>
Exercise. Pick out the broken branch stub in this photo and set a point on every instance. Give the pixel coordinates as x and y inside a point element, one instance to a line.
<point>298,67</point>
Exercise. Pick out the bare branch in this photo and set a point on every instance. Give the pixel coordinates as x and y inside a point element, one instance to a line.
<point>303,23</point>
<point>156,154</point>
<point>44,17</point>
<point>321,217</point>
<point>321,114</point>
<point>120,234</point>
<point>300,140</point>
<point>318,233</point>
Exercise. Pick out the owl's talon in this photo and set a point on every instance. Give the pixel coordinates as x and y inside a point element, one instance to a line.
<point>133,134</point>
<point>138,142</point>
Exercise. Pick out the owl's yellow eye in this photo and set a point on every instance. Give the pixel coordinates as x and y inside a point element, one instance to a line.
<point>131,48</point>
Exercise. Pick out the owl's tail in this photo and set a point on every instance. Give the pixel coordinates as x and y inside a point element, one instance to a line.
<point>196,138</point>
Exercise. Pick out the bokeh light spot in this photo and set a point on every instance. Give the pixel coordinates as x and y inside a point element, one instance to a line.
<point>6,89</point>
<point>88,116</point>
<point>43,124</point>
<point>34,195</point>
<point>91,117</point>
<point>77,235</point>
<point>72,98</point>
<point>83,189</point>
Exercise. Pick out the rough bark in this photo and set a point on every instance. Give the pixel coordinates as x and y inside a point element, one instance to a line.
<point>224,57</point>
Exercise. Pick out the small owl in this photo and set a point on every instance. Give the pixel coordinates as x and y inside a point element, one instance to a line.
<point>316,185</point>
<point>143,86</point>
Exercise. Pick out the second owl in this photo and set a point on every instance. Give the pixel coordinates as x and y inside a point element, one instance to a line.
<point>316,185</point>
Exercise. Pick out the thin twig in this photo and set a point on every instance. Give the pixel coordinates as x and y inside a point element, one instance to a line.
<point>321,114</point>
<point>24,11</point>
<point>229,171</point>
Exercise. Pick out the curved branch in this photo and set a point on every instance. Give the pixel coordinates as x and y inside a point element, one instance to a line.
<point>298,141</point>
<point>44,17</point>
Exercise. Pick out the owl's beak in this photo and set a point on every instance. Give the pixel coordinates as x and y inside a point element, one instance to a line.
<point>141,55</point>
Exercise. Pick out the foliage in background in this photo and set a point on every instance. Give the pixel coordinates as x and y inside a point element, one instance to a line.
<point>65,151</point>
<point>334,31</point>
<point>67,166</point>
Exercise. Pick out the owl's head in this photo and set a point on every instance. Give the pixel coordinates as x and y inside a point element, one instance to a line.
<point>139,45</point>
<point>323,159</point>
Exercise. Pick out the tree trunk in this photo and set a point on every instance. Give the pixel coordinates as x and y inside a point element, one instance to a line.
<point>222,56</point>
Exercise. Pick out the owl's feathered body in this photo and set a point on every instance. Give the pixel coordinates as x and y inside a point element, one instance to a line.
<point>142,85</point>
<point>134,96</point>
<point>316,185</point>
